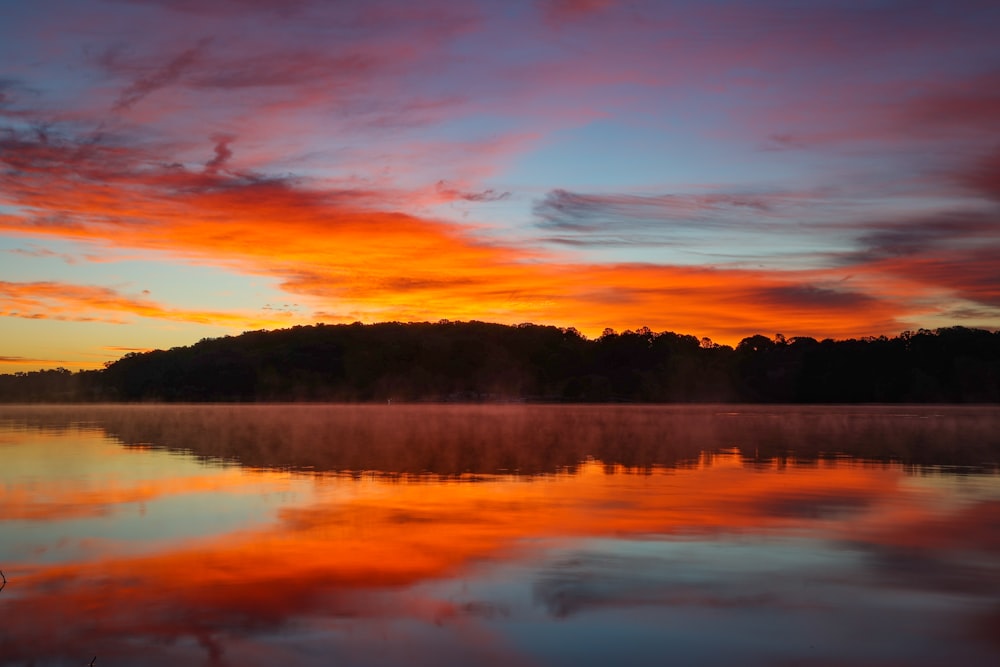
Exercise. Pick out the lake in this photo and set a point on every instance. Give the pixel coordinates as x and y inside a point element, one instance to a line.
<point>508,534</point>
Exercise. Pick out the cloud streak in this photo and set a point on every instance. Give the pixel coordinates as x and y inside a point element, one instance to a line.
<point>222,153</point>
<point>27,361</point>
<point>451,193</point>
<point>158,77</point>
<point>88,303</point>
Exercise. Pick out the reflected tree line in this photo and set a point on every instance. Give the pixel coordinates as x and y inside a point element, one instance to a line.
<point>476,361</point>
<point>456,440</point>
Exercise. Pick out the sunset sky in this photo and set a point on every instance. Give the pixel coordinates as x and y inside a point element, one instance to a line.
<point>178,169</point>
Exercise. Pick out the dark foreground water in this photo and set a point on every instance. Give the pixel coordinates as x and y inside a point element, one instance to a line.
<point>499,535</point>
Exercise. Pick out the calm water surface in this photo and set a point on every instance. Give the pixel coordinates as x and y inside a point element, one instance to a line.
<point>482,535</point>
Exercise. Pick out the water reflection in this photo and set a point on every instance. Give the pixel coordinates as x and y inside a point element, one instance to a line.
<point>739,541</point>
<point>455,440</point>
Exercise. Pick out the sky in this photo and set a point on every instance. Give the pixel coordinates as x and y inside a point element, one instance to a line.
<point>172,170</point>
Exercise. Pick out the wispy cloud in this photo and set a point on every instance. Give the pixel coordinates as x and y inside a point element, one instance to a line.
<point>560,11</point>
<point>88,303</point>
<point>561,209</point>
<point>228,7</point>
<point>451,193</point>
<point>222,152</point>
<point>970,274</point>
<point>984,177</point>
<point>42,252</point>
<point>158,77</point>
<point>27,361</point>
<point>936,234</point>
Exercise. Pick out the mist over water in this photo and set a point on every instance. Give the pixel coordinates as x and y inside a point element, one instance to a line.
<point>531,439</point>
<point>525,534</point>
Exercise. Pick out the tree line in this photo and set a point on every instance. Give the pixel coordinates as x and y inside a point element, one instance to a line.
<point>478,361</point>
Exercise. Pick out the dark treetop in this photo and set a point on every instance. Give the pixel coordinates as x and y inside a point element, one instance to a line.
<point>477,361</point>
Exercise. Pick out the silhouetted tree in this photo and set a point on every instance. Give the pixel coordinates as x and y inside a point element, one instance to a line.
<point>479,361</point>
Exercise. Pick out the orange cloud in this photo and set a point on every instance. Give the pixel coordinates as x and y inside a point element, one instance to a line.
<point>85,303</point>
<point>357,262</point>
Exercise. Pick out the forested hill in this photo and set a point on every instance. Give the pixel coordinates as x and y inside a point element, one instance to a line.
<point>475,361</point>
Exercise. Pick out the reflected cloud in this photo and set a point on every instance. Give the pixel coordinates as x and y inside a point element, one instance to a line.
<point>815,505</point>
<point>70,501</point>
<point>667,516</point>
<point>590,580</point>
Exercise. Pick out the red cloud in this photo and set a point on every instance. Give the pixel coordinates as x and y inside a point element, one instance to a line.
<point>372,264</point>
<point>984,176</point>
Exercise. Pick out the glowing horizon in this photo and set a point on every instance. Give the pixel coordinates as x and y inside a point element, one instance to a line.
<point>174,170</point>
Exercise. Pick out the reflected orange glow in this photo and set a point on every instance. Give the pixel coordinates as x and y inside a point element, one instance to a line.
<point>357,545</point>
<point>71,501</point>
<point>373,533</point>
